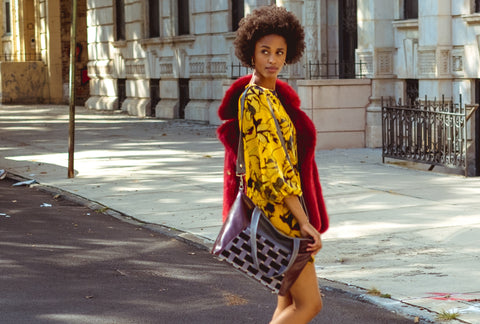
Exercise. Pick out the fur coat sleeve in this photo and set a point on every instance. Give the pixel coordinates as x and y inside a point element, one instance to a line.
<point>306,141</point>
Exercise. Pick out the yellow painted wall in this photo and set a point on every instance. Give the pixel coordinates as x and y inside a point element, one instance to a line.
<point>23,82</point>
<point>41,34</point>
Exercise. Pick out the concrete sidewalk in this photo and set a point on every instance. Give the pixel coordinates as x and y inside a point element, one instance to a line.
<point>411,234</point>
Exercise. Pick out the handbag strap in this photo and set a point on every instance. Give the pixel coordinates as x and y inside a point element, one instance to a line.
<point>240,168</point>
<point>257,213</point>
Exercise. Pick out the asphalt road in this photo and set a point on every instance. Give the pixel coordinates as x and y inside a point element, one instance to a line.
<point>64,263</point>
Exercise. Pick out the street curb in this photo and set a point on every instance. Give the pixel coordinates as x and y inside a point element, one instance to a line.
<point>356,293</point>
<point>100,208</point>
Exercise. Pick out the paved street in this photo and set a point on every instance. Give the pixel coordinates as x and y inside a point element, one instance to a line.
<point>409,234</point>
<point>65,263</point>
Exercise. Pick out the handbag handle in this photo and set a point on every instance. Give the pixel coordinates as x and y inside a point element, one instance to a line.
<point>257,212</point>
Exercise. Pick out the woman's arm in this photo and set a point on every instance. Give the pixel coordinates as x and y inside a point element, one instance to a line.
<point>293,203</point>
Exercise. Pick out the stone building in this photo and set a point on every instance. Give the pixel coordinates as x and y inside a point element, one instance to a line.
<point>175,58</point>
<point>34,55</point>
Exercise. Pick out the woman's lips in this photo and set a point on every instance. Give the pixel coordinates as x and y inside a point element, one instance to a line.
<point>272,69</point>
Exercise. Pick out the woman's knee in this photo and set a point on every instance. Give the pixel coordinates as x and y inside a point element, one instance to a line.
<point>317,305</point>
<point>306,293</point>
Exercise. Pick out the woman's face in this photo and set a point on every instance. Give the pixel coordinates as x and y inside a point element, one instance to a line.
<point>269,59</point>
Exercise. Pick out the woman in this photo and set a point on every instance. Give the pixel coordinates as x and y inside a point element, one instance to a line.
<point>267,39</point>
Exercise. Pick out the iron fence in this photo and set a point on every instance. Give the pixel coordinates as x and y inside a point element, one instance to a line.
<point>336,70</point>
<point>238,70</point>
<point>317,70</point>
<point>427,132</point>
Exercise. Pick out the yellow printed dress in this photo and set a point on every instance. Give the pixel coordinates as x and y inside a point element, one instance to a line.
<point>270,177</point>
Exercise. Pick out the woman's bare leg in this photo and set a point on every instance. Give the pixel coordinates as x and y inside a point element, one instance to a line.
<point>306,300</point>
<point>282,303</point>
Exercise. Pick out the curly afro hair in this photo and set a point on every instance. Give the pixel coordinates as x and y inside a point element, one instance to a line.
<point>266,21</point>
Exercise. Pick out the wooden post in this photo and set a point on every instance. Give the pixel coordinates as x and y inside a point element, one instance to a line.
<point>71,133</point>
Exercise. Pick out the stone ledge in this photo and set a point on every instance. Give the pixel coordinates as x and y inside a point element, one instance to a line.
<point>473,19</point>
<point>170,40</point>
<point>102,103</point>
<point>406,24</point>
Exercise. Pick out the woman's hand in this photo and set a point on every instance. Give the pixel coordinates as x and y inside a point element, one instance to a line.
<point>308,230</point>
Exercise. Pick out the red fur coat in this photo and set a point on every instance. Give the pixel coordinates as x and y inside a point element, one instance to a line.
<point>306,141</point>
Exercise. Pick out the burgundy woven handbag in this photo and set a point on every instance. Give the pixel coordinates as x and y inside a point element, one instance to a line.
<point>249,242</point>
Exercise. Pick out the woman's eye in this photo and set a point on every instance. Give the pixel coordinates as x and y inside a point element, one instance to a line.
<point>280,53</point>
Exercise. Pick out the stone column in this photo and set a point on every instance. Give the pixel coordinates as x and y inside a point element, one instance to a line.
<point>54,51</point>
<point>314,21</point>
<point>435,48</point>
<point>376,49</point>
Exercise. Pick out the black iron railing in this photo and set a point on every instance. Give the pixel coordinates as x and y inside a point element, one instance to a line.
<point>427,132</point>
<point>20,57</point>
<point>336,70</point>
<point>317,70</point>
<point>238,70</point>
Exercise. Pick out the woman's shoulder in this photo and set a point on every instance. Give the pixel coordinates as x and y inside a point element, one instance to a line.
<point>228,107</point>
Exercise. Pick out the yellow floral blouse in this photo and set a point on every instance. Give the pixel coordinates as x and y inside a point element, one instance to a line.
<point>270,177</point>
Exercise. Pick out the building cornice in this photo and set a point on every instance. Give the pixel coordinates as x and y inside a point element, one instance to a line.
<point>472,19</point>
<point>406,24</point>
<point>170,40</point>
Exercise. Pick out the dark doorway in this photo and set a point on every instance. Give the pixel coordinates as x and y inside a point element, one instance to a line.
<point>121,92</point>
<point>411,91</point>
<point>154,96</point>
<point>347,33</point>
<point>184,97</point>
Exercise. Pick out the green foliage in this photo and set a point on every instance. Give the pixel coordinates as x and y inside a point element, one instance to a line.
<point>447,316</point>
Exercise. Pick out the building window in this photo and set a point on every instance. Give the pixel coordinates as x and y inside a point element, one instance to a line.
<point>119,20</point>
<point>154,96</point>
<point>410,9</point>
<point>347,37</point>
<point>121,92</point>
<point>238,11</point>
<point>8,18</point>
<point>184,97</point>
<point>411,91</point>
<point>153,18</point>
<point>183,17</point>
<point>477,6</point>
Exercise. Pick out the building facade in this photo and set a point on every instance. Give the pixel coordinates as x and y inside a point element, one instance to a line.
<point>175,58</point>
<point>164,59</point>
<point>172,59</point>
<point>35,51</point>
